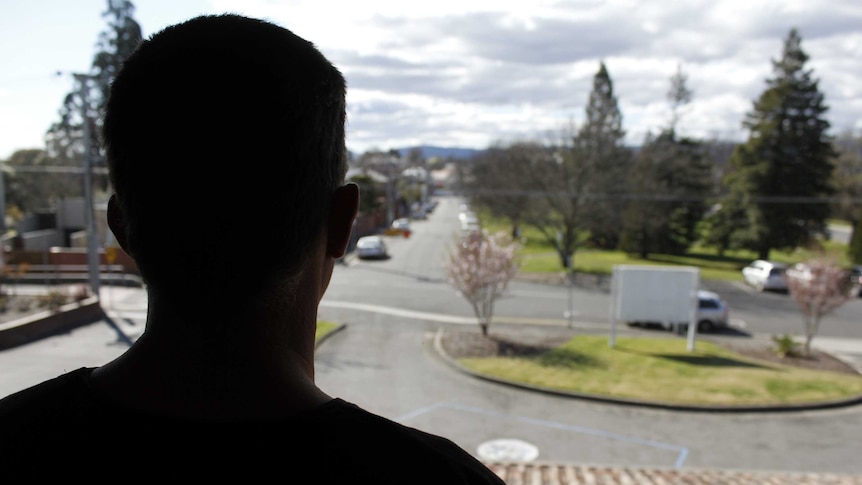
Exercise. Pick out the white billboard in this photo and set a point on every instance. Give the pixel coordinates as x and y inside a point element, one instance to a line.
<point>641,293</point>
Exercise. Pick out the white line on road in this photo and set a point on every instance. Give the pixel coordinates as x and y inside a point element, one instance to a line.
<point>437,317</point>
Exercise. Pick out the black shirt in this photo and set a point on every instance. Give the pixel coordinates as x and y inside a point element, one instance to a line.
<point>62,428</point>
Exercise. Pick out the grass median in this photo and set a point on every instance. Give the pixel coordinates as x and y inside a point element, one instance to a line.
<point>324,328</point>
<point>663,370</point>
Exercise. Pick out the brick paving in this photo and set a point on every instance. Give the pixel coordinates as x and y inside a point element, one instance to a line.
<point>560,474</point>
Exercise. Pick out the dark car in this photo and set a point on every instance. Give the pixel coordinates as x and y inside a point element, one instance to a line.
<point>856,279</point>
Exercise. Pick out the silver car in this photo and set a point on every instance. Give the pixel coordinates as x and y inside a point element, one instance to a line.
<point>371,247</point>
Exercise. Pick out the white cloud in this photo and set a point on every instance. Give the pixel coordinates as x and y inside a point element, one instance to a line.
<point>470,72</point>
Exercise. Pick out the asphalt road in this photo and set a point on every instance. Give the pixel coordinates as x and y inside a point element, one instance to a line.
<point>392,307</point>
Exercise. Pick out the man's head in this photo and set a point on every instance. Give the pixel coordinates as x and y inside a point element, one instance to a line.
<point>225,143</point>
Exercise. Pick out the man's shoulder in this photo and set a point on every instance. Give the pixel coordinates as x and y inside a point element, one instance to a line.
<point>54,395</point>
<point>44,409</point>
<point>410,454</point>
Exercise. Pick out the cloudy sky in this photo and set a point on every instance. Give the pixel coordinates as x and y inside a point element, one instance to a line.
<point>470,73</point>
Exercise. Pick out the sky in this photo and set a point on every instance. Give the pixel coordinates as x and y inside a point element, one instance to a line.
<point>472,73</point>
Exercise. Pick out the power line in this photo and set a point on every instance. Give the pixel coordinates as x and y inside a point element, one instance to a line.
<point>773,199</point>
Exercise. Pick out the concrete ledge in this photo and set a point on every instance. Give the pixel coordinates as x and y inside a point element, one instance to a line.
<point>43,324</point>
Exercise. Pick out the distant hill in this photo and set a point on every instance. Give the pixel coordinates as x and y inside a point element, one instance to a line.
<point>442,152</point>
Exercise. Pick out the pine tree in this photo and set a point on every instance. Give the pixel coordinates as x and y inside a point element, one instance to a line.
<point>778,176</point>
<point>65,138</point>
<point>599,147</point>
<point>666,185</point>
<point>854,249</point>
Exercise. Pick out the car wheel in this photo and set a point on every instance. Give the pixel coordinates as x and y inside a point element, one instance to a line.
<point>704,326</point>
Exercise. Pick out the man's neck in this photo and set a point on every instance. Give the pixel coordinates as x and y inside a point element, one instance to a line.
<point>255,365</point>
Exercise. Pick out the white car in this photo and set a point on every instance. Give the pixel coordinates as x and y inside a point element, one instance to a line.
<point>371,247</point>
<point>765,275</point>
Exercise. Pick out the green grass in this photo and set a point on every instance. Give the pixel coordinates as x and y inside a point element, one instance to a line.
<point>839,223</point>
<point>663,369</point>
<point>539,256</point>
<point>324,328</point>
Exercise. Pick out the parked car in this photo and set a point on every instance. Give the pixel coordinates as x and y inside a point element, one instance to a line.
<point>371,247</point>
<point>765,275</point>
<point>469,221</point>
<point>712,313</point>
<point>401,226</point>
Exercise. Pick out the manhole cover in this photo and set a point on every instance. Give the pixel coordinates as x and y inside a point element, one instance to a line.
<point>507,449</point>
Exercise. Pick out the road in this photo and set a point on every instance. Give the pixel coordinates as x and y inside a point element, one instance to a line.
<point>382,360</point>
<point>413,278</point>
<point>392,307</point>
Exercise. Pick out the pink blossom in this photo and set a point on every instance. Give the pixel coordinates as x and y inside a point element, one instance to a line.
<point>818,286</point>
<point>480,267</point>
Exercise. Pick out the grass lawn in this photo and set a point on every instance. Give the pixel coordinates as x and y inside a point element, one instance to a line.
<point>324,328</point>
<point>539,256</point>
<point>663,369</point>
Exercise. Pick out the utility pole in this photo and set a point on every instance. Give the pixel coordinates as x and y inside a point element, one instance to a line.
<point>89,214</point>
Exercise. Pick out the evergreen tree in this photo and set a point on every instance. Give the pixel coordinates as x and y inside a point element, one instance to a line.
<point>779,175</point>
<point>82,109</point>
<point>599,149</point>
<point>32,185</point>
<point>854,249</point>
<point>847,178</point>
<point>666,186</point>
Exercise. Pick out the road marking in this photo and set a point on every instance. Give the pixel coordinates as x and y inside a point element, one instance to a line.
<point>437,317</point>
<point>682,452</point>
<point>398,312</point>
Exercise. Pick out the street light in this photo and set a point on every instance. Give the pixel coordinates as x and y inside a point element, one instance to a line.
<point>89,214</point>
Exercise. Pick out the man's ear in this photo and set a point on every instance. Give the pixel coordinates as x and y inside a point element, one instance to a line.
<point>342,213</point>
<point>117,222</point>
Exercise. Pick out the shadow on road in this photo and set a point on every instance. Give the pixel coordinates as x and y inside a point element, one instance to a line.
<point>398,272</point>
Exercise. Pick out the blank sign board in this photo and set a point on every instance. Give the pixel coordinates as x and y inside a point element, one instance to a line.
<point>654,293</point>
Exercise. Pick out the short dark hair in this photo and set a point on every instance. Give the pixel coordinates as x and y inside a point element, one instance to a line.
<point>225,143</point>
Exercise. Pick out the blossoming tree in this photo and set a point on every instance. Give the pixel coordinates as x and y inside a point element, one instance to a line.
<point>818,286</point>
<point>480,266</point>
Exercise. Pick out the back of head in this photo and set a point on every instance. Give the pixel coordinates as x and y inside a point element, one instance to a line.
<point>225,142</point>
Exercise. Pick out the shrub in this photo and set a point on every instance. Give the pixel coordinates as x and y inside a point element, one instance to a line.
<point>53,300</point>
<point>785,346</point>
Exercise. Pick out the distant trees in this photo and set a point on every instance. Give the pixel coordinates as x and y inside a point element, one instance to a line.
<point>82,108</point>
<point>500,181</point>
<point>847,178</point>
<point>818,286</point>
<point>600,153</point>
<point>778,176</point>
<point>666,186</point>
<point>570,190</point>
<point>480,267</point>
<point>31,185</point>
<point>854,249</point>
<point>371,196</point>
<point>666,202</point>
<point>773,191</point>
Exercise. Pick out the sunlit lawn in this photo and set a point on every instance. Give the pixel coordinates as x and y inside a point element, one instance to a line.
<point>663,369</point>
<point>539,256</point>
<point>324,327</point>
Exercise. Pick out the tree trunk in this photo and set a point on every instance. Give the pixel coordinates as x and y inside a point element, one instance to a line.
<point>763,253</point>
<point>484,327</point>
